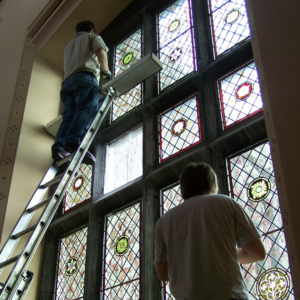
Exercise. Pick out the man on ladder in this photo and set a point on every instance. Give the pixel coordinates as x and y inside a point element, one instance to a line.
<point>83,57</point>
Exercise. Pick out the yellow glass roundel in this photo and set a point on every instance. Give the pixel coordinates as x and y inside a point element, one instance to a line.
<point>259,189</point>
<point>232,16</point>
<point>128,58</point>
<point>273,284</point>
<point>122,245</point>
<point>71,266</point>
<point>174,25</point>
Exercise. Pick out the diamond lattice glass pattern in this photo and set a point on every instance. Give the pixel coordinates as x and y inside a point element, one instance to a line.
<point>176,46</point>
<point>124,160</point>
<point>128,52</point>
<point>170,197</point>
<point>244,169</point>
<point>171,144</point>
<point>77,194</point>
<point>127,102</point>
<point>240,84</point>
<point>121,272</point>
<point>71,266</point>
<point>229,24</point>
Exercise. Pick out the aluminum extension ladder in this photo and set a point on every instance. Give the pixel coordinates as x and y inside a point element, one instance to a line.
<point>19,280</point>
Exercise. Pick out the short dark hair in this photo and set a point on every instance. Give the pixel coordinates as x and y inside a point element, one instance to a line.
<point>86,26</point>
<point>198,179</point>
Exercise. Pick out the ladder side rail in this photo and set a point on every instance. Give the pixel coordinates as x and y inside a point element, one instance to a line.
<point>10,286</point>
<point>25,217</point>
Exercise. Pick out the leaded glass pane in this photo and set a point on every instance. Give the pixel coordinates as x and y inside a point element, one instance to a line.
<point>229,24</point>
<point>124,160</point>
<point>128,52</point>
<point>176,46</point>
<point>127,102</point>
<point>240,95</point>
<point>122,246</point>
<point>252,185</point>
<point>71,266</point>
<point>179,128</point>
<point>80,188</point>
<point>170,197</point>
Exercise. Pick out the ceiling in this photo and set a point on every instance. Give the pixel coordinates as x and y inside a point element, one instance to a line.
<point>101,13</point>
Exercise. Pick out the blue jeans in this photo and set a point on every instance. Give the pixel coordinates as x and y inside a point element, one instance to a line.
<point>80,99</point>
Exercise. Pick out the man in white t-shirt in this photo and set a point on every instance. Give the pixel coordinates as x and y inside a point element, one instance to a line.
<point>83,57</point>
<point>195,242</point>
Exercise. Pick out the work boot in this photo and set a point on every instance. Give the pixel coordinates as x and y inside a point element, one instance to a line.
<point>58,154</point>
<point>89,158</point>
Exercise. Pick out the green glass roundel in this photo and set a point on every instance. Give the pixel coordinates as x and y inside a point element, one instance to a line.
<point>122,245</point>
<point>174,25</point>
<point>128,58</point>
<point>232,16</point>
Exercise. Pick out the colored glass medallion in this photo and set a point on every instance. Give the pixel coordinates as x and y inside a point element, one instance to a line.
<point>128,58</point>
<point>243,91</point>
<point>71,266</point>
<point>259,189</point>
<point>78,183</point>
<point>179,127</point>
<point>273,284</point>
<point>232,16</point>
<point>122,245</point>
<point>175,54</point>
<point>174,25</point>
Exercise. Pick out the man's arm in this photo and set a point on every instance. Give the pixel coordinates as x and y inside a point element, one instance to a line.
<point>102,58</point>
<point>251,252</point>
<point>161,268</point>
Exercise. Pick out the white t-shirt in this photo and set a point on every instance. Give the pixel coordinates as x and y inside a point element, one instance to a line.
<point>198,241</point>
<point>80,54</point>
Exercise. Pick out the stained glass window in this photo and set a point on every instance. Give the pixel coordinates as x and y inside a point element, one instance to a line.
<point>229,24</point>
<point>127,102</point>
<point>170,197</point>
<point>128,52</point>
<point>71,266</point>
<point>121,260</point>
<point>80,187</point>
<point>252,185</point>
<point>124,160</point>
<point>239,94</point>
<point>179,128</point>
<point>176,46</point>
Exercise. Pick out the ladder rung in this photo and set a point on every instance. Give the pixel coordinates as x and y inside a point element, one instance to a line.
<point>33,208</point>
<point>9,261</point>
<point>54,180</point>
<point>21,233</point>
<point>64,160</point>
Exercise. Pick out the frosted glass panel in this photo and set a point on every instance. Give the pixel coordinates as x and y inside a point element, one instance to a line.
<point>124,160</point>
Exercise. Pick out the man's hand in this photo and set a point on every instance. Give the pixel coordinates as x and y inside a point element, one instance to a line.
<point>106,74</point>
